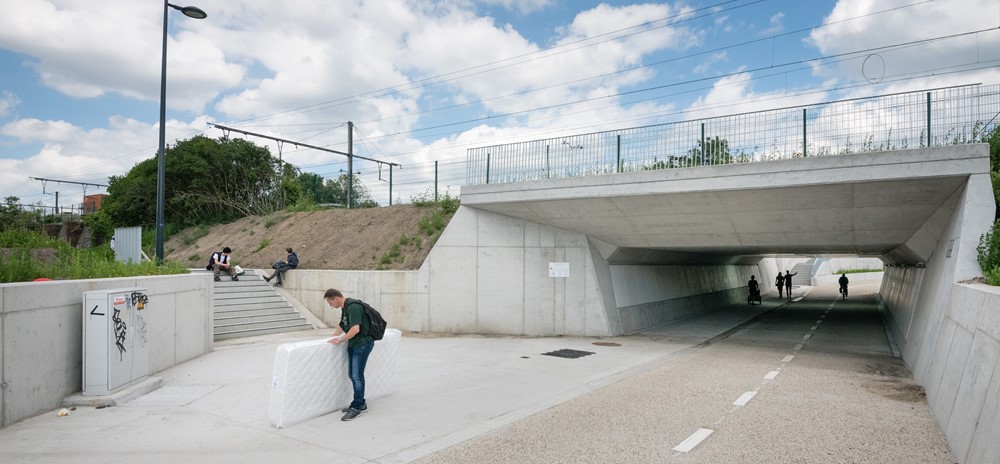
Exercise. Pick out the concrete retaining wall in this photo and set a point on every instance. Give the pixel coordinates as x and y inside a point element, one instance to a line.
<point>489,274</point>
<point>961,373</point>
<point>41,335</point>
<point>947,332</point>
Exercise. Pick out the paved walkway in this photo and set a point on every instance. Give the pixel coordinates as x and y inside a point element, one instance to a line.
<point>496,399</point>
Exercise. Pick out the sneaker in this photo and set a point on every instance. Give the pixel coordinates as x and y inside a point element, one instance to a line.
<point>217,279</point>
<point>236,279</point>
<point>278,284</point>
<point>267,279</point>
<point>351,414</point>
<point>364,408</point>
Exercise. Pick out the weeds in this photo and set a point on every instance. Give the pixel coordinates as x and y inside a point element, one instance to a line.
<point>66,262</point>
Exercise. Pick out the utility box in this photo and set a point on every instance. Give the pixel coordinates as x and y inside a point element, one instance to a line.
<point>115,346</point>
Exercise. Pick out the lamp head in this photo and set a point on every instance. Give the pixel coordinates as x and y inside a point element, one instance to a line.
<point>190,11</point>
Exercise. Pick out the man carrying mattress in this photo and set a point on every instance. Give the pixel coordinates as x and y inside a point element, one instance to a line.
<point>354,331</point>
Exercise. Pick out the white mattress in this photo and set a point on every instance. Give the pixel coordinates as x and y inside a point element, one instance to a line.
<point>310,378</point>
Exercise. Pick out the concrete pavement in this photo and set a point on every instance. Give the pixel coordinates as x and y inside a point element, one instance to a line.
<point>499,400</point>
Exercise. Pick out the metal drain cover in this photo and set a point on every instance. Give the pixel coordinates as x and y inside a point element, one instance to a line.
<point>567,353</point>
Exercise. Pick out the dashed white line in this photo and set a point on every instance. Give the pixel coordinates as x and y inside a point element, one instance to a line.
<point>745,398</point>
<point>771,375</point>
<point>788,358</point>
<point>696,438</point>
<point>798,347</point>
<point>806,337</point>
<point>814,327</point>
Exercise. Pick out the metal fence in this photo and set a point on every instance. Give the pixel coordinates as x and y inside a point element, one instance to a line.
<point>945,116</point>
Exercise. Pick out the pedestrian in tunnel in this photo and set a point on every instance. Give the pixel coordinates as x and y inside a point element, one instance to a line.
<point>779,282</point>
<point>788,283</point>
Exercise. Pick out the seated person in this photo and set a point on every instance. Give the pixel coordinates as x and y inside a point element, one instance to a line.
<point>220,262</point>
<point>291,262</point>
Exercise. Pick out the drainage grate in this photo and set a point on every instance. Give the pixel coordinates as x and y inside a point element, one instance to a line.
<point>607,344</point>
<point>567,353</point>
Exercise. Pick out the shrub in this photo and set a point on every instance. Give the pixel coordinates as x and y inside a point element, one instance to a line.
<point>988,255</point>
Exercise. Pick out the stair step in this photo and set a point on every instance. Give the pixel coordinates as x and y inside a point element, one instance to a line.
<point>262,331</point>
<point>222,309</point>
<point>260,324</point>
<point>270,311</point>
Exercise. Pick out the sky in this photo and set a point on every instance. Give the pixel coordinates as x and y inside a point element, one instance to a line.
<point>423,81</point>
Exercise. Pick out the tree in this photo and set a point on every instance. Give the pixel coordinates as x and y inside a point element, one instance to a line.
<point>716,151</point>
<point>12,217</point>
<point>207,181</point>
<point>335,191</point>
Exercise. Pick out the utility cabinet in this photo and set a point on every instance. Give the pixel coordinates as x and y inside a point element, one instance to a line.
<point>115,343</point>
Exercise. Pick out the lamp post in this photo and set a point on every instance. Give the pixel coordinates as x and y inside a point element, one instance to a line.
<point>191,12</point>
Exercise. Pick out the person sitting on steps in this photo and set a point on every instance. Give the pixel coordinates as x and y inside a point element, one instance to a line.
<point>291,262</point>
<point>221,261</point>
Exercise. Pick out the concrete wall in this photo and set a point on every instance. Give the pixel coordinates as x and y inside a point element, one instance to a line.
<point>489,274</point>
<point>946,332</point>
<point>648,296</point>
<point>400,296</point>
<point>41,335</point>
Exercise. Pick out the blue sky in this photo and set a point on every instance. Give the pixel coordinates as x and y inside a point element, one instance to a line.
<point>426,80</point>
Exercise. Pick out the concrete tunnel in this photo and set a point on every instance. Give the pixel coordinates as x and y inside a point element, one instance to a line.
<point>635,251</point>
<point>642,249</point>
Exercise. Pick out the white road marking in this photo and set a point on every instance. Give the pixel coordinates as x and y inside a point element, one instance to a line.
<point>814,327</point>
<point>806,337</point>
<point>694,440</point>
<point>788,358</point>
<point>798,347</point>
<point>771,375</point>
<point>745,398</point>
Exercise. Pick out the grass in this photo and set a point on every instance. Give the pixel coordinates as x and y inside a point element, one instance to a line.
<point>263,244</point>
<point>858,270</point>
<point>68,262</point>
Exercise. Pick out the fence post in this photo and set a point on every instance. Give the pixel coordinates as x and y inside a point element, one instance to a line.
<point>703,144</point>
<point>547,167</point>
<point>928,119</point>
<point>804,154</point>
<point>487,168</point>
<point>435,181</point>
<point>619,150</point>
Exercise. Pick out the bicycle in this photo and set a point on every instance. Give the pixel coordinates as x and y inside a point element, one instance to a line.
<point>843,292</point>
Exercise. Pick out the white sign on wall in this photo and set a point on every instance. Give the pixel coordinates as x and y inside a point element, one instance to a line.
<point>558,269</point>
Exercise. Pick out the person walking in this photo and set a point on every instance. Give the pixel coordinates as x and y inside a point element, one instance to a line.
<point>290,262</point>
<point>220,261</point>
<point>353,330</point>
<point>788,283</point>
<point>779,282</point>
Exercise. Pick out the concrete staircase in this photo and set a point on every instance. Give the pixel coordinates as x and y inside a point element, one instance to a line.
<point>250,307</point>
<point>806,270</point>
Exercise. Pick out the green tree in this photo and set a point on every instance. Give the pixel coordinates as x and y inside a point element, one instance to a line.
<point>207,181</point>
<point>715,151</point>
<point>335,191</point>
<point>13,217</point>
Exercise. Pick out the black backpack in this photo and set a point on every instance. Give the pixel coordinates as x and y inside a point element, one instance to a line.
<point>211,260</point>
<point>376,324</point>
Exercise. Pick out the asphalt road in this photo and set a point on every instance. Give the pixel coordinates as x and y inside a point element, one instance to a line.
<point>809,381</point>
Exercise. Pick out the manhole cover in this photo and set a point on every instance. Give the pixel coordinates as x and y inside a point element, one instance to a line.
<point>607,344</point>
<point>567,353</point>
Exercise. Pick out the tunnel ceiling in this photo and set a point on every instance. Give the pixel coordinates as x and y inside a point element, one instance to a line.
<point>744,211</point>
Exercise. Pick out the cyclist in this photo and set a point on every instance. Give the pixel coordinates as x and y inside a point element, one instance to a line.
<point>843,284</point>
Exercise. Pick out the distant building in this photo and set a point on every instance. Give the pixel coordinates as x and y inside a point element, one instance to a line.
<point>92,203</point>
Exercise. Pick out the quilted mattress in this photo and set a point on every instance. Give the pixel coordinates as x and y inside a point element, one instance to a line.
<point>310,378</point>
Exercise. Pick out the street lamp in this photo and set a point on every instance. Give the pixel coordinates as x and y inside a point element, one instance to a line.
<point>191,12</point>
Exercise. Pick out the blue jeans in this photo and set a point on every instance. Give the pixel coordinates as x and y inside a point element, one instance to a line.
<point>357,358</point>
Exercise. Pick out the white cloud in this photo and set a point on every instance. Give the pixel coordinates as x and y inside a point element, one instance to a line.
<point>940,58</point>
<point>774,25</point>
<point>523,6</point>
<point>8,101</point>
